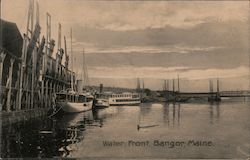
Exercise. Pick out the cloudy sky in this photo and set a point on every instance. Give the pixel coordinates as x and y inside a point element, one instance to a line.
<point>151,40</point>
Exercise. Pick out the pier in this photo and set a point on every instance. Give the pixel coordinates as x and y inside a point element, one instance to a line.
<point>29,74</point>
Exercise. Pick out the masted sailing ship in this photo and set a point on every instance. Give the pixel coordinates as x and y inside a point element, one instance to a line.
<point>74,101</point>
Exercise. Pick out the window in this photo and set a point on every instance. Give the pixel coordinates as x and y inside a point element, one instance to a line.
<point>72,98</point>
<point>135,96</point>
<point>89,99</point>
<point>81,98</point>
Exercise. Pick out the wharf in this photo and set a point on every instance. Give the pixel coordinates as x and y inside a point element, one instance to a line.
<point>31,69</point>
<point>8,118</point>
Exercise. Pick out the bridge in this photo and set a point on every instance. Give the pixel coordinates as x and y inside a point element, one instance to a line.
<point>209,94</point>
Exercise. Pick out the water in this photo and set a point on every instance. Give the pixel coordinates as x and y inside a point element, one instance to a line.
<point>223,129</point>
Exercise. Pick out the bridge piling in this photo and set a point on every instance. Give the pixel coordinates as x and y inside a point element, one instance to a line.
<point>214,96</point>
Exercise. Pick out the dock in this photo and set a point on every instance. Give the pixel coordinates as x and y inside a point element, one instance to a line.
<point>31,69</point>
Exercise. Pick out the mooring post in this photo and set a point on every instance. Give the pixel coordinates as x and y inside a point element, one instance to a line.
<point>8,109</point>
<point>2,57</point>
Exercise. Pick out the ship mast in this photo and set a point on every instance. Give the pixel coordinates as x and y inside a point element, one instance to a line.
<point>83,59</point>
<point>85,71</point>
<point>72,85</point>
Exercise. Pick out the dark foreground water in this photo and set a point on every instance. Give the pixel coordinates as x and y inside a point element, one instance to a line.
<point>165,131</point>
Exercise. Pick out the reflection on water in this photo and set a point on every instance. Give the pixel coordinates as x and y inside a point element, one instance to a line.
<point>166,113</point>
<point>82,135</point>
<point>214,113</point>
<point>175,110</point>
<point>47,137</point>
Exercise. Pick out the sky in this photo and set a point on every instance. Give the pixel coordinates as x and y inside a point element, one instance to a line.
<point>151,40</point>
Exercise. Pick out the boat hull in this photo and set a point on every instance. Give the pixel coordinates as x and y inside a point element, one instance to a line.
<point>100,103</point>
<point>113,102</point>
<point>73,107</point>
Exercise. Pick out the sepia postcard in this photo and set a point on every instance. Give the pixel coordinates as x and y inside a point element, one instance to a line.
<point>124,79</point>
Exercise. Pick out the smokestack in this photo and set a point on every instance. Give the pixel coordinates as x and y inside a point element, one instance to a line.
<point>138,85</point>
<point>218,85</point>
<point>173,86</point>
<point>211,86</point>
<point>101,88</point>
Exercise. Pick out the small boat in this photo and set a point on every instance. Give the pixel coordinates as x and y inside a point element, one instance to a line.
<point>126,98</point>
<point>101,103</point>
<point>73,102</point>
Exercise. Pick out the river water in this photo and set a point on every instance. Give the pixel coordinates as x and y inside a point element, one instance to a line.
<point>153,130</point>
